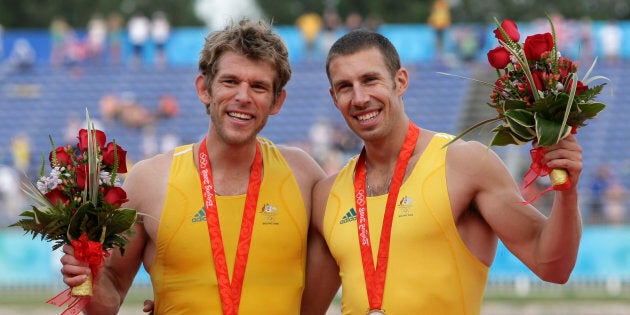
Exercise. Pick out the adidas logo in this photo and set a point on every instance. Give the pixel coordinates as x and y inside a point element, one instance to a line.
<point>350,216</point>
<point>200,216</point>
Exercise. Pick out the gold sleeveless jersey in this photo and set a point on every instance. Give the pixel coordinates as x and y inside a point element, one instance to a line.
<point>183,273</point>
<point>430,269</point>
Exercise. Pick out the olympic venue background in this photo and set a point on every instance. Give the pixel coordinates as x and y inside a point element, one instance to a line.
<point>600,283</point>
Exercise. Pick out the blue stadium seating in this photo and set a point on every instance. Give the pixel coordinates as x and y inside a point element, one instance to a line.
<point>39,102</point>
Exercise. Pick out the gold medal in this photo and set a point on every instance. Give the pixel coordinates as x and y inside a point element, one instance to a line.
<point>375,312</point>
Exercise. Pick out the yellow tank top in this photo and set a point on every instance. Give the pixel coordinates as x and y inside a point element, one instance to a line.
<point>183,274</point>
<point>430,269</point>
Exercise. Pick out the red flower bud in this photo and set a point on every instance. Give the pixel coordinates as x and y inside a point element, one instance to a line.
<point>115,196</point>
<point>510,28</point>
<point>536,45</point>
<point>57,196</point>
<point>579,89</point>
<point>62,156</point>
<point>83,139</point>
<point>108,157</point>
<point>539,79</point>
<point>82,174</point>
<point>499,57</point>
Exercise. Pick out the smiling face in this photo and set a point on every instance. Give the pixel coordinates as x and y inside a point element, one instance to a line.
<point>240,98</point>
<point>366,94</point>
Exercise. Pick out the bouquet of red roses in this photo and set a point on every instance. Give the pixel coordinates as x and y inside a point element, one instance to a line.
<point>79,201</point>
<point>537,95</point>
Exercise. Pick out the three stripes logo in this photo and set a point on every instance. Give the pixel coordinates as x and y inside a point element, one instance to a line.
<point>350,216</point>
<point>200,216</point>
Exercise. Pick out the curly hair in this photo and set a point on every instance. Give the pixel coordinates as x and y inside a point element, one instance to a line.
<point>253,39</point>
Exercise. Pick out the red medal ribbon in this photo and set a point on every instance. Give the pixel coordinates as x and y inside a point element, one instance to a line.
<point>375,276</point>
<point>230,292</point>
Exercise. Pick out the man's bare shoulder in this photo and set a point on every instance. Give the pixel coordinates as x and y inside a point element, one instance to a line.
<point>469,153</point>
<point>301,162</point>
<point>153,165</point>
<point>150,171</point>
<point>324,186</point>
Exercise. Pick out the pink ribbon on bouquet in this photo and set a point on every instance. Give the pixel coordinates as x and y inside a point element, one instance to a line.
<point>76,304</point>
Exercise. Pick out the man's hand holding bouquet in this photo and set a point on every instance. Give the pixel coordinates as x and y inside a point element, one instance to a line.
<point>79,203</point>
<point>538,96</point>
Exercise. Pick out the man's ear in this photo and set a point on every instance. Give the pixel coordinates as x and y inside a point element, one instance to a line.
<point>202,90</point>
<point>277,105</point>
<point>402,81</point>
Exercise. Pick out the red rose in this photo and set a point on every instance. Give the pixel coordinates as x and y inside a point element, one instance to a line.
<point>115,196</point>
<point>499,57</point>
<point>536,45</point>
<point>108,157</point>
<point>83,139</point>
<point>56,196</point>
<point>579,89</point>
<point>62,156</point>
<point>510,28</point>
<point>538,80</point>
<point>82,174</point>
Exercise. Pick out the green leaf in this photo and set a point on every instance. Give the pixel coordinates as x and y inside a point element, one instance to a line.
<point>549,132</point>
<point>78,221</point>
<point>514,104</point>
<point>521,122</point>
<point>590,110</point>
<point>121,221</point>
<point>505,136</point>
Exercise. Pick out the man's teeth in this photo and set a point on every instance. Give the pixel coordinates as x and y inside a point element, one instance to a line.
<point>367,116</point>
<point>240,115</point>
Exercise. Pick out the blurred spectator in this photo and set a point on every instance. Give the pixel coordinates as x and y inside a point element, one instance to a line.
<point>22,56</point>
<point>108,105</point>
<point>330,31</point>
<point>354,21</point>
<point>168,107</point>
<point>149,141</point>
<point>598,186</point>
<point>610,35</point>
<point>75,51</point>
<point>309,25</point>
<point>139,30</point>
<point>73,125</point>
<point>21,151</point>
<point>114,36</point>
<point>160,32</point>
<point>1,42</point>
<point>467,43</point>
<point>170,140</point>
<point>96,38</point>
<point>586,39</point>
<point>321,139</point>
<point>133,114</point>
<point>11,198</point>
<point>372,22</point>
<point>563,29</point>
<point>615,199</point>
<point>440,20</point>
<point>58,31</point>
